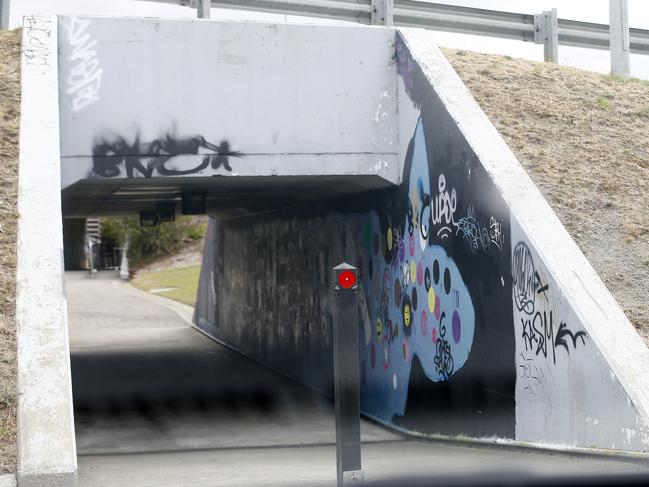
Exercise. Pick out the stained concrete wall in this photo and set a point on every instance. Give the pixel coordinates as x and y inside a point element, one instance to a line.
<point>147,98</point>
<point>479,315</point>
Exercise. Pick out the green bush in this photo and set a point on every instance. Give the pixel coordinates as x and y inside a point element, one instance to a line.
<point>148,243</point>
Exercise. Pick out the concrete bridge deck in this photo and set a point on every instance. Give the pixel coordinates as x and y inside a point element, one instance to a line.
<point>157,403</point>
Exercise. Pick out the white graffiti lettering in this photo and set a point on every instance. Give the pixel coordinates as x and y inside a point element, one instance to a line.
<point>443,208</point>
<point>84,80</point>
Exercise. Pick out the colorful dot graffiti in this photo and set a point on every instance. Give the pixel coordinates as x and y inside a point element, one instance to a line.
<point>386,353</point>
<point>456,327</point>
<point>432,301</point>
<point>423,323</point>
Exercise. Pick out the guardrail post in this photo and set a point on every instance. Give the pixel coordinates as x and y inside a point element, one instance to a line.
<point>202,8</point>
<point>619,37</point>
<point>546,32</point>
<point>346,380</point>
<point>4,14</point>
<point>382,12</point>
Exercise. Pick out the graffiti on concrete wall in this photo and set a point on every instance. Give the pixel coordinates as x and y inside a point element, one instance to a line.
<point>84,79</point>
<point>437,344</point>
<point>477,235</point>
<point>36,53</point>
<point>417,303</point>
<point>435,282</point>
<point>117,157</point>
<point>543,335</point>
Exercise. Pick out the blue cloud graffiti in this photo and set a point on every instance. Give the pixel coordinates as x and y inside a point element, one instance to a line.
<point>415,302</point>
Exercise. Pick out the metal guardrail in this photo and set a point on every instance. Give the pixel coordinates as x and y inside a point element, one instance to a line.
<point>448,18</point>
<point>541,28</point>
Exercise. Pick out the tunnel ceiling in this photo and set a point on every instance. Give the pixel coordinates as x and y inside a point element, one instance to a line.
<point>224,196</point>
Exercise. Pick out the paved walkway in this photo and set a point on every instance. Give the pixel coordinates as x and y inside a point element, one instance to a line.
<point>143,380</point>
<point>159,404</point>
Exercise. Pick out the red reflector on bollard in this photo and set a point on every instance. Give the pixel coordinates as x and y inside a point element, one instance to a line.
<point>346,279</point>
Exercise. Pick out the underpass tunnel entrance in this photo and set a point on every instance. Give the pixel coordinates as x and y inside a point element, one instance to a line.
<point>269,123</point>
<point>144,378</point>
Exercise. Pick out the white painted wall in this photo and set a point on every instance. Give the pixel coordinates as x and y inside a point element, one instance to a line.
<point>596,393</point>
<point>294,100</point>
<point>46,442</point>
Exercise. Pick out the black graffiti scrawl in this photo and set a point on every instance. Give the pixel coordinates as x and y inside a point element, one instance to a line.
<point>112,156</point>
<point>537,316</point>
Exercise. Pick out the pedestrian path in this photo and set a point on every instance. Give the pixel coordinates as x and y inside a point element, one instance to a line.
<point>144,380</point>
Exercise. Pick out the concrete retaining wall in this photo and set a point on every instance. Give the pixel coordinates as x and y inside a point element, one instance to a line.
<point>479,315</point>
<point>46,443</point>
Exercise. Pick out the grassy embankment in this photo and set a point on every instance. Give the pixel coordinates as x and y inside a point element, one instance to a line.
<point>179,284</point>
<point>9,121</point>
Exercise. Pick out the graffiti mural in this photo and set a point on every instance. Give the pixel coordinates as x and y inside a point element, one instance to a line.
<point>422,307</point>
<point>117,157</point>
<point>460,226</point>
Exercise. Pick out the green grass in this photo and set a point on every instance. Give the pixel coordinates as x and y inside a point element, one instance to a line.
<point>602,103</point>
<point>183,280</point>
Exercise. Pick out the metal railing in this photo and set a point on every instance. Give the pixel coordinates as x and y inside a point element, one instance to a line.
<point>448,18</point>
<point>542,28</point>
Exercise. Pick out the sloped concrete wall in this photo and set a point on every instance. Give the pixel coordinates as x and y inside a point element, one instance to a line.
<point>148,98</point>
<point>579,361</point>
<point>479,315</point>
<point>46,442</point>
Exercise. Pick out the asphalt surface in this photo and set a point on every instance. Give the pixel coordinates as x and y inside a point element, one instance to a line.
<point>159,404</point>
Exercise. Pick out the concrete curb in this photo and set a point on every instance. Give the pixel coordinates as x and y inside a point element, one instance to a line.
<point>518,445</point>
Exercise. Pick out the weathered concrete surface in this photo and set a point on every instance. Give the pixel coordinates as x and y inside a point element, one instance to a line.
<point>315,466</point>
<point>272,100</point>
<point>144,380</point>
<point>46,444</point>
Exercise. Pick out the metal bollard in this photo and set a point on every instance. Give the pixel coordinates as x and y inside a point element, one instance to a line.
<point>346,375</point>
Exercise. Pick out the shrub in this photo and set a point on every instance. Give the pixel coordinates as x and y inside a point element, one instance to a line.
<point>149,243</point>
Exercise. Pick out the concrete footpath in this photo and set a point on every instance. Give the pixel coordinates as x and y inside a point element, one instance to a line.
<point>159,404</point>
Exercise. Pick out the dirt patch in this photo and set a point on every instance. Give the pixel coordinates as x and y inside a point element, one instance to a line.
<point>9,121</point>
<point>584,140</point>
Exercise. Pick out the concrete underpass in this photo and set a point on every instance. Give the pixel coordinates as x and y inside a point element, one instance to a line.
<point>480,322</point>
